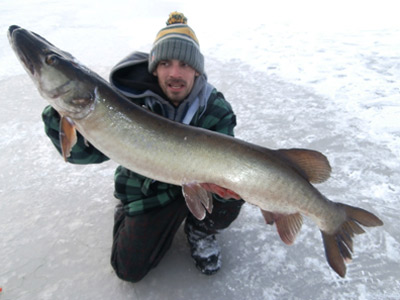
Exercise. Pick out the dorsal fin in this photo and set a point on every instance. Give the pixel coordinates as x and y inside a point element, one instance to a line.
<point>312,164</point>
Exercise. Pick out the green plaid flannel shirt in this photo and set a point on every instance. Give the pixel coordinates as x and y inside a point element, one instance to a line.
<point>138,193</point>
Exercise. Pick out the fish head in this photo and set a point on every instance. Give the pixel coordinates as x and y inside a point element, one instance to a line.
<point>59,77</point>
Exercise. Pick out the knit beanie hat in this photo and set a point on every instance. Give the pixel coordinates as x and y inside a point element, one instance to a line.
<point>177,41</point>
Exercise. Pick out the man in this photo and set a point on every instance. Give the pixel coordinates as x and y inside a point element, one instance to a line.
<point>170,82</point>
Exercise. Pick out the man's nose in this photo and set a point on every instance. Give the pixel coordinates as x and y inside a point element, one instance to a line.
<point>175,71</point>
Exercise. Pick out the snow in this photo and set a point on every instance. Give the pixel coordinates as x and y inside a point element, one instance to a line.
<point>312,74</point>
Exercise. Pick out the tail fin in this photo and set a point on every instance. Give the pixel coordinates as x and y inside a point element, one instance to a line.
<point>339,246</point>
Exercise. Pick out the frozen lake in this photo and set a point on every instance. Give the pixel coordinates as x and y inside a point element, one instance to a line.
<point>314,76</point>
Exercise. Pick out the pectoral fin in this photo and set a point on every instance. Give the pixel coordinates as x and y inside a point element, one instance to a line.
<point>68,136</point>
<point>197,199</point>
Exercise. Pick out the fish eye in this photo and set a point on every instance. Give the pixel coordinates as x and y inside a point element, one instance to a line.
<point>51,59</point>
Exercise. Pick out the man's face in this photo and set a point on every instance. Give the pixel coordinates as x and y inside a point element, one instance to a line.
<point>176,79</point>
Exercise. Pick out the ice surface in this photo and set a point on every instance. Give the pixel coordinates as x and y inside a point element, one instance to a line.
<point>306,74</point>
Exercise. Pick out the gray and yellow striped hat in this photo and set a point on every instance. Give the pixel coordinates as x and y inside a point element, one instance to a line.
<point>177,41</point>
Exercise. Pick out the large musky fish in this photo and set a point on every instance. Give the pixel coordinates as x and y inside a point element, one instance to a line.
<point>201,161</point>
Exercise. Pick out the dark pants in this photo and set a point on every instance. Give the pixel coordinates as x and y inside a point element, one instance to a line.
<point>141,241</point>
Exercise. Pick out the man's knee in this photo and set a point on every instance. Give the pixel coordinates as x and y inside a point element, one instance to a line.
<point>131,277</point>
<point>133,272</point>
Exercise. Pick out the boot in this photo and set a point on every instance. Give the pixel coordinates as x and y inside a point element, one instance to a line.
<point>204,249</point>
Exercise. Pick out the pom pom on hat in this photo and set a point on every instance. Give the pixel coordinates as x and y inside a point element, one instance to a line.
<point>176,41</point>
<point>176,18</point>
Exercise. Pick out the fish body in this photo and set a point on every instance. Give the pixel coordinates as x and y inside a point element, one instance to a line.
<point>199,160</point>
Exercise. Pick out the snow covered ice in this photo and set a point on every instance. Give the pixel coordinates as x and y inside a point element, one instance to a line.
<point>311,74</point>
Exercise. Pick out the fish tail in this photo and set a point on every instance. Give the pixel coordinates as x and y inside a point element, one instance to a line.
<point>339,245</point>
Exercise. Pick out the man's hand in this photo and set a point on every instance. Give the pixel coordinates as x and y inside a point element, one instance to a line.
<point>220,191</point>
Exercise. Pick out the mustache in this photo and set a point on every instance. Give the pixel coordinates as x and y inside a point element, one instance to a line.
<point>174,81</point>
